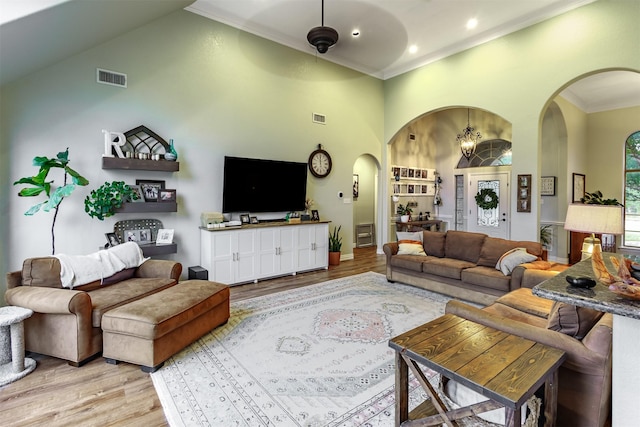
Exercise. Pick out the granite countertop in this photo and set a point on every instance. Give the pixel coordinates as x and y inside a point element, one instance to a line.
<point>598,298</point>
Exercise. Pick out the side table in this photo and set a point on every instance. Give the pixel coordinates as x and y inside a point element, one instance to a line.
<point>504,368</point>
<point>13,364</point>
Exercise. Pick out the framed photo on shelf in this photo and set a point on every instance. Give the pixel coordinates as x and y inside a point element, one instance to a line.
<point>167,195</point>
<point>150,189</point>
<point>245,219</point>
<point>136,189</point>
<point>315,216</point>
<point>165,236</point>
<point>141,237</point>
<point>112,239</point>
<point>254,220</point>
<point>578,187</point>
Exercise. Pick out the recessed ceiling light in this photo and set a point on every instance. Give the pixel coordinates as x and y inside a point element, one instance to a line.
<point>472,23</point>
<point>355,32</point>
<point>413,48</point>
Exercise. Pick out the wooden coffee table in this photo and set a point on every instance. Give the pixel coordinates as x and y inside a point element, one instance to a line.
<point>505,368</point>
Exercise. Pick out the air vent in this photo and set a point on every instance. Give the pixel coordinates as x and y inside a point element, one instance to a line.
<point>319,118</point>
<point>111,78</point>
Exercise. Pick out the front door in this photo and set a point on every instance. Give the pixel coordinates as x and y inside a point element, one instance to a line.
<point>485,218</point>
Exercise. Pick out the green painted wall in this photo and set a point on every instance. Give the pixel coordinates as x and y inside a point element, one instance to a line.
<point>516,76</point>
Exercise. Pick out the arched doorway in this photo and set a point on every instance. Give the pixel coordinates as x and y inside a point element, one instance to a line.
<point>365,200</point>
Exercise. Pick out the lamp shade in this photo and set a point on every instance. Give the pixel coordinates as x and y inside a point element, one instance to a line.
<point>597,219</point>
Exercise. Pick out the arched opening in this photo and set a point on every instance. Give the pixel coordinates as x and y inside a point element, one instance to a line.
<point>583,132</point>
<point>428,145</point>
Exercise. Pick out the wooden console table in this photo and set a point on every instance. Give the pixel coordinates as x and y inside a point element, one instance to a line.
<point>505,368</point>
<point>428,224</point>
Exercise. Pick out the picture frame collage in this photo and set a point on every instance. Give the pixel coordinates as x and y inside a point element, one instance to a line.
<point>412,181</point>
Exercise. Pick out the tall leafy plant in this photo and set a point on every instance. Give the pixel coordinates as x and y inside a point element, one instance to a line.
<point>335,241</point>
<point>39,184</point>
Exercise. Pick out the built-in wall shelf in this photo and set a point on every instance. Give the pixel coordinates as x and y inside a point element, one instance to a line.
<point>148,207</point>
<point>138,164</point>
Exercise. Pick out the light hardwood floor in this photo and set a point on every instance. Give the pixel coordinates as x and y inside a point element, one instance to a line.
<point>99,394</point>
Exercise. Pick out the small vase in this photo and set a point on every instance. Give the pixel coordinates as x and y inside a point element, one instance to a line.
<point>172,154</point>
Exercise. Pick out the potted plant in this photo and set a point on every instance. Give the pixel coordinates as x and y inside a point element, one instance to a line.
<point>335,245</point>
<point>545,235</point>
<point>55,195</point>
<point>404,212</point>
<point>103,202</point>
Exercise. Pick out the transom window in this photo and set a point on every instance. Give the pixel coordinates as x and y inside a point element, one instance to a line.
<point>632,191</point>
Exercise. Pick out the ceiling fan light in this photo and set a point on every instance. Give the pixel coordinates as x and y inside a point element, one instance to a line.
<point>322,38</point>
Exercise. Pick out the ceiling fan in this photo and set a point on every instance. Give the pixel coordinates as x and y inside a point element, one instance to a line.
<point>322,38</point>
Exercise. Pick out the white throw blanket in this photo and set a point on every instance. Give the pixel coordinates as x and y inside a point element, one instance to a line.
<point>79,270</point>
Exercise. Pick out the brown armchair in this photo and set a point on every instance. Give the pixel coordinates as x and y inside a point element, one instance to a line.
<point>584,385</point>
<point>67,323</point>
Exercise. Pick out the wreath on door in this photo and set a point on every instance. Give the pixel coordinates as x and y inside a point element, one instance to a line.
<point>487,199</point>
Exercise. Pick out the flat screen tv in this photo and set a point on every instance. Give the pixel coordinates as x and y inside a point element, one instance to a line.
<point>257,185</point>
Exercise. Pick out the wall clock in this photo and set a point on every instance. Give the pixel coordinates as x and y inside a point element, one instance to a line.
<point>320,163</point>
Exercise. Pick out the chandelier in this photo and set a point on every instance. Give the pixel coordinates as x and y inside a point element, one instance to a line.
<point>468,140</point>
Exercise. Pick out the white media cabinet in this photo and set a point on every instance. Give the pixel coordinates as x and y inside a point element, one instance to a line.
<point>259,251</point>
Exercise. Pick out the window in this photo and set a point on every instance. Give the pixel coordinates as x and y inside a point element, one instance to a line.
<point>632,191</point>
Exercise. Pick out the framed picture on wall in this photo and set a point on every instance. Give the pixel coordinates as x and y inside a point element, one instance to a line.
<point>524,193</point>
<point>548,186</point>
<point>578,187</point>
<point>356,186</point>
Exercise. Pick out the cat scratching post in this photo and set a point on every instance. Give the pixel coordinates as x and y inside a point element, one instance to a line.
<point>13,364</point>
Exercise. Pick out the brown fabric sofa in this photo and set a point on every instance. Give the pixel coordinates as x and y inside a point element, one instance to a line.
<point>67,322</point>
<point>584,384</point>
<point>462,265</point>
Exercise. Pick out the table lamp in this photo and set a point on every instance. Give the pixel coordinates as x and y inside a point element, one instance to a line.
<point>601,219</point>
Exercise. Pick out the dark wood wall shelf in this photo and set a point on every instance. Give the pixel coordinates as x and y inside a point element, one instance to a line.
<point>150,207</point>
<point>137,164</point>
<point>154,250</point>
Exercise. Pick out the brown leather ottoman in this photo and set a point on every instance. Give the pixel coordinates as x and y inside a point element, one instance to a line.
<point>150,330</point>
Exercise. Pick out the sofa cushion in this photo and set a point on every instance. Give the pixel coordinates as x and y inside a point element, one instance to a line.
<point>446,267</point>
<point>493,248</point>
<point>463,245</point>
<point>523,300</point>
<point>408,262</point>
<point>41,271</point>
<point>571,320</point>
<point>512,259</point>
<point>433,242</point>
<point>486,277</point>
<point>109,297</point>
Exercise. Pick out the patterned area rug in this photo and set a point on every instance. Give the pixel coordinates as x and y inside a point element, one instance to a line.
<point>314,356</point>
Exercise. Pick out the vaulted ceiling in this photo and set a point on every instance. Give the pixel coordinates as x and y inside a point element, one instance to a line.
<point>394,36</point>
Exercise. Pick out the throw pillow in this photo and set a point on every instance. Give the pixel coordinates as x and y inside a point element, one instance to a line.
<point>571,320</point>
<point>513,258</point>
<point>410,247</point>
<point>125,274</point>
<point>409,235</point>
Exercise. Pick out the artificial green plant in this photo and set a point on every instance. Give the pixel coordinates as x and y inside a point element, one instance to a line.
<point>38,184</point>
<point>102,202</point>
